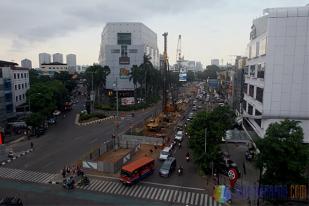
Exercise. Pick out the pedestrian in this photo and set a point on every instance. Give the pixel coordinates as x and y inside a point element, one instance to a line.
<point>63,173</point>
<point>31,145</point>
<point>179,145</point>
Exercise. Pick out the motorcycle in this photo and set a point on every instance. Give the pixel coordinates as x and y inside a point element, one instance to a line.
<point>68,183</point>
<point>180,171</point>
<point>188,157</point>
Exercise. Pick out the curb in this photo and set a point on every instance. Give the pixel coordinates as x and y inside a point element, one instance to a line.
<point>54,182</point>
<point>16,157</point>
<point>92,122</point>
<point>17,140</point>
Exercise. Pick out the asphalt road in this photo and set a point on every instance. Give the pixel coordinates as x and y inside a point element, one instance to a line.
<point>66,142</point>
<point>37,194</point>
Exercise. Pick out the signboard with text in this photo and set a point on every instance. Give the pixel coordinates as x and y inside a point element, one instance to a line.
<point>127,101</point>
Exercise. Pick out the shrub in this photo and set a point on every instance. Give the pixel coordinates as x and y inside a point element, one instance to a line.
<point>84,117</point>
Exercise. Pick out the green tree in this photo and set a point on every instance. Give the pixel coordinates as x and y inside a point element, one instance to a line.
<point>35,119</point>
<point>66,79</point>
<point>98,74</point>
<point>283,154</point>
<point>190,76</point>
<point>211,72</point>
<point>216,122</point>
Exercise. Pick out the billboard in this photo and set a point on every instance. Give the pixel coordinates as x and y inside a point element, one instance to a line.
<point>127,101</point>
<point>124,73</point>
<point>182,76</point>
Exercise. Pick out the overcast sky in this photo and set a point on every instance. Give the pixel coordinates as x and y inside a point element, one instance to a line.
<point>209,28</point>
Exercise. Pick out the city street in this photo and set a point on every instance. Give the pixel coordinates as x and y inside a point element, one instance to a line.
<point>66,142</point>
<point>37,194</point>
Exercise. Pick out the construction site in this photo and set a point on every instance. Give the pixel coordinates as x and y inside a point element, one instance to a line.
<point>156,131</point>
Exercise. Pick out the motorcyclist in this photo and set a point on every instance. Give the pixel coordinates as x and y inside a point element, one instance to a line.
<point>180,170</point>
<point>187,156</point>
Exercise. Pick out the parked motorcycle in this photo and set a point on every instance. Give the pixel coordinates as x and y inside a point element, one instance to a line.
<point>188,157</point>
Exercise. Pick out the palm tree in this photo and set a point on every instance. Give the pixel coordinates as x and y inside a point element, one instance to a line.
<point>134,76</point>
<point>97,74</point>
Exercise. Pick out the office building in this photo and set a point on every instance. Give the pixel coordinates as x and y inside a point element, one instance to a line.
<point>26,63</point>
<point>44,58</point>
<point>276,80</point>
<point>57,57</point>
<point>215,62</point>
<point>51,68</point>
<point>71,62</point>
<point>122,46</point>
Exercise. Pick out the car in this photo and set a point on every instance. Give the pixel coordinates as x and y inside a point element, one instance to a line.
<point>194,108</point>
<point>14,201</point>
<point>167,167</point>
<point>51,121</point>
<point>165,153</point>
<point>40,131</point>
<point>179,136</point>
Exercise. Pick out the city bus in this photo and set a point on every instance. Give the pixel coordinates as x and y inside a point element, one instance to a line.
<point>137,170</point>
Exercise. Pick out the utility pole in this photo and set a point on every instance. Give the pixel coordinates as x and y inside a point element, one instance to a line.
<point>117,111</point>
<point>165,63</point>
<point>117,106</point>
<point>92,94</point>
<point>205,139</point>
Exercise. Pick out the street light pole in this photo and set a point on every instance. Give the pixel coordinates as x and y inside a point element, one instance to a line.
<point>205,139</point>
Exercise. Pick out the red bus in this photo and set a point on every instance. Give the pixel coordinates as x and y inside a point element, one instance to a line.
<point>133,172</point>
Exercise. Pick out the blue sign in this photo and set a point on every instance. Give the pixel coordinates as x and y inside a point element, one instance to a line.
<point>182,77</point>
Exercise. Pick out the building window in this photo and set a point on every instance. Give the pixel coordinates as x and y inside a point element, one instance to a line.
<point>244,105</point>
<point>115,51</point>
<point>19,97</point>
<point>251,90</point>
<point>263,46</point>
<point>246,87</point>
<point>21,75</point>
<point>23,96</point>
<point>250,109</point>
<point>132,50</point>
<point>14,76</point>
<point>15,86</point>
<point>252,70</point>
<point>18,76</point>
<point>257,113</point>
<point>257,48</point>
<point>26,85</point>
<point>18,86</point>
<point>124,38</point>
<point>124,50</point>
<point>16,98</point>
<point>260,71</point>
<point>259,94</point>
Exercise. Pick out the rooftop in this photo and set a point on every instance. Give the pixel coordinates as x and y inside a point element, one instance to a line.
<point>54,63</point>
<point>6,64</point>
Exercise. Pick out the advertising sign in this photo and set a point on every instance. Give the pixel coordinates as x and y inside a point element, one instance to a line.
<point>124,73</point>
<point>127,101</point>
<point>222,194</point>
<point>183,77</point>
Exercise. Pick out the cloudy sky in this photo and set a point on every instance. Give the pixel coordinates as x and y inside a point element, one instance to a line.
<point>209,28</point>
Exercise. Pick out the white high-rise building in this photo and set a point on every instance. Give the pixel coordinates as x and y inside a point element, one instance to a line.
<point>124,45</point>
<point>276,81</point>
<point>215,62</point>
<point>71,60</point>
<point>26,63</point>
<point>44,58</point>
<point>58,57</point>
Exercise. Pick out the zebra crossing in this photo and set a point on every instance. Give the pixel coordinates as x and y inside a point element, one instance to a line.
<point>141,190</point>
<point>25,175</point>
<point>144,191</point>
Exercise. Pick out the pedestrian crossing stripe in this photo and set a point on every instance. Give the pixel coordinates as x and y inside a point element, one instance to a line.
<point>143,191</point>
<point>25,175</point>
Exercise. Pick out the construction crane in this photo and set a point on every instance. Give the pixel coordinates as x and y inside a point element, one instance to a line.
<point>179,56</point>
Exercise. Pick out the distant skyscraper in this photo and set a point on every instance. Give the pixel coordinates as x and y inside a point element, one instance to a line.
<point>57,57</point>
<point>26,63</point>
<point>71,60</point>
<point>44,58</point>
<point>215,62</point>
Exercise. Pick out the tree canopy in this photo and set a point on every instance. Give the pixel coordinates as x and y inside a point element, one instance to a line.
<point>283,154</point>
<point>216,122</point>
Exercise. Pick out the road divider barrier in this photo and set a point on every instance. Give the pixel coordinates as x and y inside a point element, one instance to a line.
<point>91,122</point>
<point>9,160</point>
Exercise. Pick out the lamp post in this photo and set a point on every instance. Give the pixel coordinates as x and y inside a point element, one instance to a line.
<point>117,110</point>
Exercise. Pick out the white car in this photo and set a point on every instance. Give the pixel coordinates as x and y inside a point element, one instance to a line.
<point>165,153</point>
<point>179,136</point>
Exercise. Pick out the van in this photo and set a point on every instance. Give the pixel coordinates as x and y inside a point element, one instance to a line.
<point>167,167</point>
<point>165,153</point>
